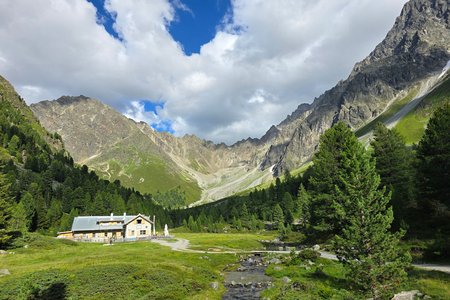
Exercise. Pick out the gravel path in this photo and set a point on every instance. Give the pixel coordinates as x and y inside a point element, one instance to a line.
<point>429,267</point>
<point>183,245</point>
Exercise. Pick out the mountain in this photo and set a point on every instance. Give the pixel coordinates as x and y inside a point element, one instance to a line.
<point>119,148</point>
<point>387,85</point>
<point>410,58</point>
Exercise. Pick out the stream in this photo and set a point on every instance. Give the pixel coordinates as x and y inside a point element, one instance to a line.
<point>248,281</point>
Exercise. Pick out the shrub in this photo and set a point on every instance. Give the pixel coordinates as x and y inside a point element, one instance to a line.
<point>308,254</point>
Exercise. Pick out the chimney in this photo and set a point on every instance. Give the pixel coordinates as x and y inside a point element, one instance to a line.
<point>112,215</point>
<point>124,214</point>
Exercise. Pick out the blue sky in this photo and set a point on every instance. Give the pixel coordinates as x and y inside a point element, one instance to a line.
<point>195,24</point>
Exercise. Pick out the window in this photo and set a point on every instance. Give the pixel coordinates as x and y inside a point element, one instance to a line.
<point>132,232</point>
<point>142,232</point>
<point>106,234</point>
<point>139,221</point>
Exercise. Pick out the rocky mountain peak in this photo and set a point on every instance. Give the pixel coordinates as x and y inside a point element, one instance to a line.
<point>422,26</point>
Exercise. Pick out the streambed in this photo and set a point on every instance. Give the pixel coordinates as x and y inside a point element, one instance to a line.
<point>248,281</point>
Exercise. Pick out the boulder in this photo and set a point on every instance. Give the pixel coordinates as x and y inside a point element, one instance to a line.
<point>407,295</point>
<point>4,272</point>
<point>214,285</point>
<point>286,279</point>
<point>316,247</point>
<point>275,261</point>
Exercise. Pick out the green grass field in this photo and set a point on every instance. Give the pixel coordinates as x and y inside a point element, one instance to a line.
<point>140,270</point>
<point>226,241</point>
<point>51,268</point>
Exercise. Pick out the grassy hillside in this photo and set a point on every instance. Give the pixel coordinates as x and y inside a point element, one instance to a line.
<point>391,111</point>
<point>151,177</point>
<point>412,126</point>
<point>145,171</point>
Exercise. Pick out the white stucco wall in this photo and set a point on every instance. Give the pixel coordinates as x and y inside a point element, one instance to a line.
<point>133,229</point>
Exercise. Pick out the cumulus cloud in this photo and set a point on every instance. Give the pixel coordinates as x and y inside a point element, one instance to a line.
<point>265,59</point>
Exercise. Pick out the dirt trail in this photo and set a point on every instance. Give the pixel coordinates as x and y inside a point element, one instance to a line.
<point>183,246</point>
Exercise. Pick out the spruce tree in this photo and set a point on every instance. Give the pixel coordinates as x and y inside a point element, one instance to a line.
<point>434,167</point>
<point>303,205</point>
<point>278,217</point>
<point>365,244</point>
<point>394,163</point>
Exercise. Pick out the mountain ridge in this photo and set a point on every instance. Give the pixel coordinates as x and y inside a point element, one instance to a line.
<point>414,50</point>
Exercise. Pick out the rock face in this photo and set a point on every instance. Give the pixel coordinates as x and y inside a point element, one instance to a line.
<point>414,50</point>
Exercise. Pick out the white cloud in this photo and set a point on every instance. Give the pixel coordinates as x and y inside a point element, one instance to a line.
<point>263,62</point>
<point>136,111</point>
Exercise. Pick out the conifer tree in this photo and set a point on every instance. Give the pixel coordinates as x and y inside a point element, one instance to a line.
<point>434,167</point>
<point>5,208</point>
<point>303,205</point>
<point>365,244</point>
<point>278,217</point>
<point>18,221</point>
<point>394,164</point>
<point>334,148</point>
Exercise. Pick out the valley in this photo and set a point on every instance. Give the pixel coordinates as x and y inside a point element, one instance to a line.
<point>346,197</point>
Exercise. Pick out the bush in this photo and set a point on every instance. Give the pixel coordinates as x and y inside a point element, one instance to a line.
<point>308,254</point>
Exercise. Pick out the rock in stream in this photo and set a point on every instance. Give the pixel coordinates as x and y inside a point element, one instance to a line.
<point>248,281</point>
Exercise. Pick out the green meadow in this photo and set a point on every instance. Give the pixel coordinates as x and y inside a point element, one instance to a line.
<point>49,268</point>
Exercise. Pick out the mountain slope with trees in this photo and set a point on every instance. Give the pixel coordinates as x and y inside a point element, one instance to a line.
<point>41,189</point>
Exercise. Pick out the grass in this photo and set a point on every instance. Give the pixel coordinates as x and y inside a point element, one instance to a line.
<point>391,111</point>
<point>139,270</point>
<point>226,241</point>
<point>413,125</point>
<point>326,280</point>
<point>309,284</point>
<point>53,269</point>
<point>149,175</point>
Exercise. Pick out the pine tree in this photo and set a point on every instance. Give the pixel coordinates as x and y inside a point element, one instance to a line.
<point>278,216</point>
<point>434,167</point>
<point>365,244</point>
<point>303,204</point>
<point>30,211</point>
<point>394,164</point>
<point>18,221</point>
<point>335,147</point>
<point>5,208</point>
<point>245,218</point>
<point>134,205</point>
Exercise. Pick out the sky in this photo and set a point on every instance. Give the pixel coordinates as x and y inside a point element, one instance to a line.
<point>224,70</point>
